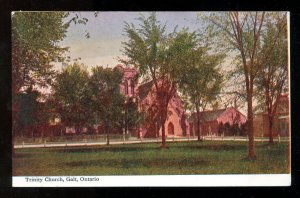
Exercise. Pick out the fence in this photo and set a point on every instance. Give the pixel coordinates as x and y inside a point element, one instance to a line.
<point>70,138</point>
<point>85,140</point>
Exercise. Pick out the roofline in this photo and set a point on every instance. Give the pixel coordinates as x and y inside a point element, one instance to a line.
<point>125,68</point>
<point>210,111</point>
<point>151,81</point>
<point>225,109</point>
<point>234,109</point>
<point>238,111</point>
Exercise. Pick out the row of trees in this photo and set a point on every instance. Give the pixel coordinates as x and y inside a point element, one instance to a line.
<point>83,100</point>
<point>258,43</point>
<point>35,49</point>
<point>78,98</point>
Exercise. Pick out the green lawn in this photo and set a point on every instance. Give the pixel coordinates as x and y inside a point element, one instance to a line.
<point>148,159</point>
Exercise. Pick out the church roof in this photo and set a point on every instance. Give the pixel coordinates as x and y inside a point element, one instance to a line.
<point>144,89</point>
<point>210,115</point>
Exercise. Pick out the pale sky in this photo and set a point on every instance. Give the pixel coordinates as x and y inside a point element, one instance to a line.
<point>104,45</point>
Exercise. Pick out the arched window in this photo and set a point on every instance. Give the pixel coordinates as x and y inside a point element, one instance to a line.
<point>170,129</point>
<point>126,87</point>
<point>132,86</point>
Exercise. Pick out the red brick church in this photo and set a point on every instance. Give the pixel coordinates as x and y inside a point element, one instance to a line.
<point>176,123</point>
<point>211,120</point>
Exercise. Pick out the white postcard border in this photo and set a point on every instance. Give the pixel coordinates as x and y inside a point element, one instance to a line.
<point>153,180</point>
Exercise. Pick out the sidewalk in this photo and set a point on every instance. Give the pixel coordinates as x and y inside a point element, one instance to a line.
<point>138,141</point>
<point>72,144</point>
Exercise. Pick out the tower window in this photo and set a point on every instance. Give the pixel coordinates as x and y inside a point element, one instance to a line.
<point>132,87</point>
<point>126,87</point>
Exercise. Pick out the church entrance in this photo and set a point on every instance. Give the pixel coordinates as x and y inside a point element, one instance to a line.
<point>170,129</point>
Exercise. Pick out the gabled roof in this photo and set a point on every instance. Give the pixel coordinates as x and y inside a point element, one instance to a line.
<point>211,115</point>
<point>144,89</point>
<point>208,116</point>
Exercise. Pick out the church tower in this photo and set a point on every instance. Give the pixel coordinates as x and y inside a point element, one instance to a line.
<point>129,85</point>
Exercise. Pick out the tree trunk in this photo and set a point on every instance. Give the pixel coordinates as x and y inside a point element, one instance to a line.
<point>107,135</point>
<point>198,126</point>
<point>157,129</point>
<point>163,133</point>
<point>163,100</point>
<point>198,122</point>
<point>107,139</point>
<point>269,109</point>
<point>271,141</point>
<point>163,142</point>
<point>251,152</point>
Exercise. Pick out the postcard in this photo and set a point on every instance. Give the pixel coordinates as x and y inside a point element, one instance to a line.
<point>150,99</point>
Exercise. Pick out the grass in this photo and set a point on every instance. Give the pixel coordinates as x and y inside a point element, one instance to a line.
<point>148,159</point>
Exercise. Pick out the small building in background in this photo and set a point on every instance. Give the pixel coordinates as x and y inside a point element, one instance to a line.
<point>281,120</point>
<point>210,121</point>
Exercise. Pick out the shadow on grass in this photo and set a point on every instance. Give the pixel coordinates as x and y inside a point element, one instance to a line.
<point>154,147</point>
<point>138,163</point>
<point>105,149</point>
<point>22,155</point>
<point>217,147</point>
<point>272,145</point>
<point>246,159</point>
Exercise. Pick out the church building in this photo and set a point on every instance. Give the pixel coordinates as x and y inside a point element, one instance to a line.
<point>176,124</point>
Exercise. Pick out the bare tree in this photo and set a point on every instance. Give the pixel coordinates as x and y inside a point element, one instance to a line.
<point>272,78</point>
<point>241,33</point>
